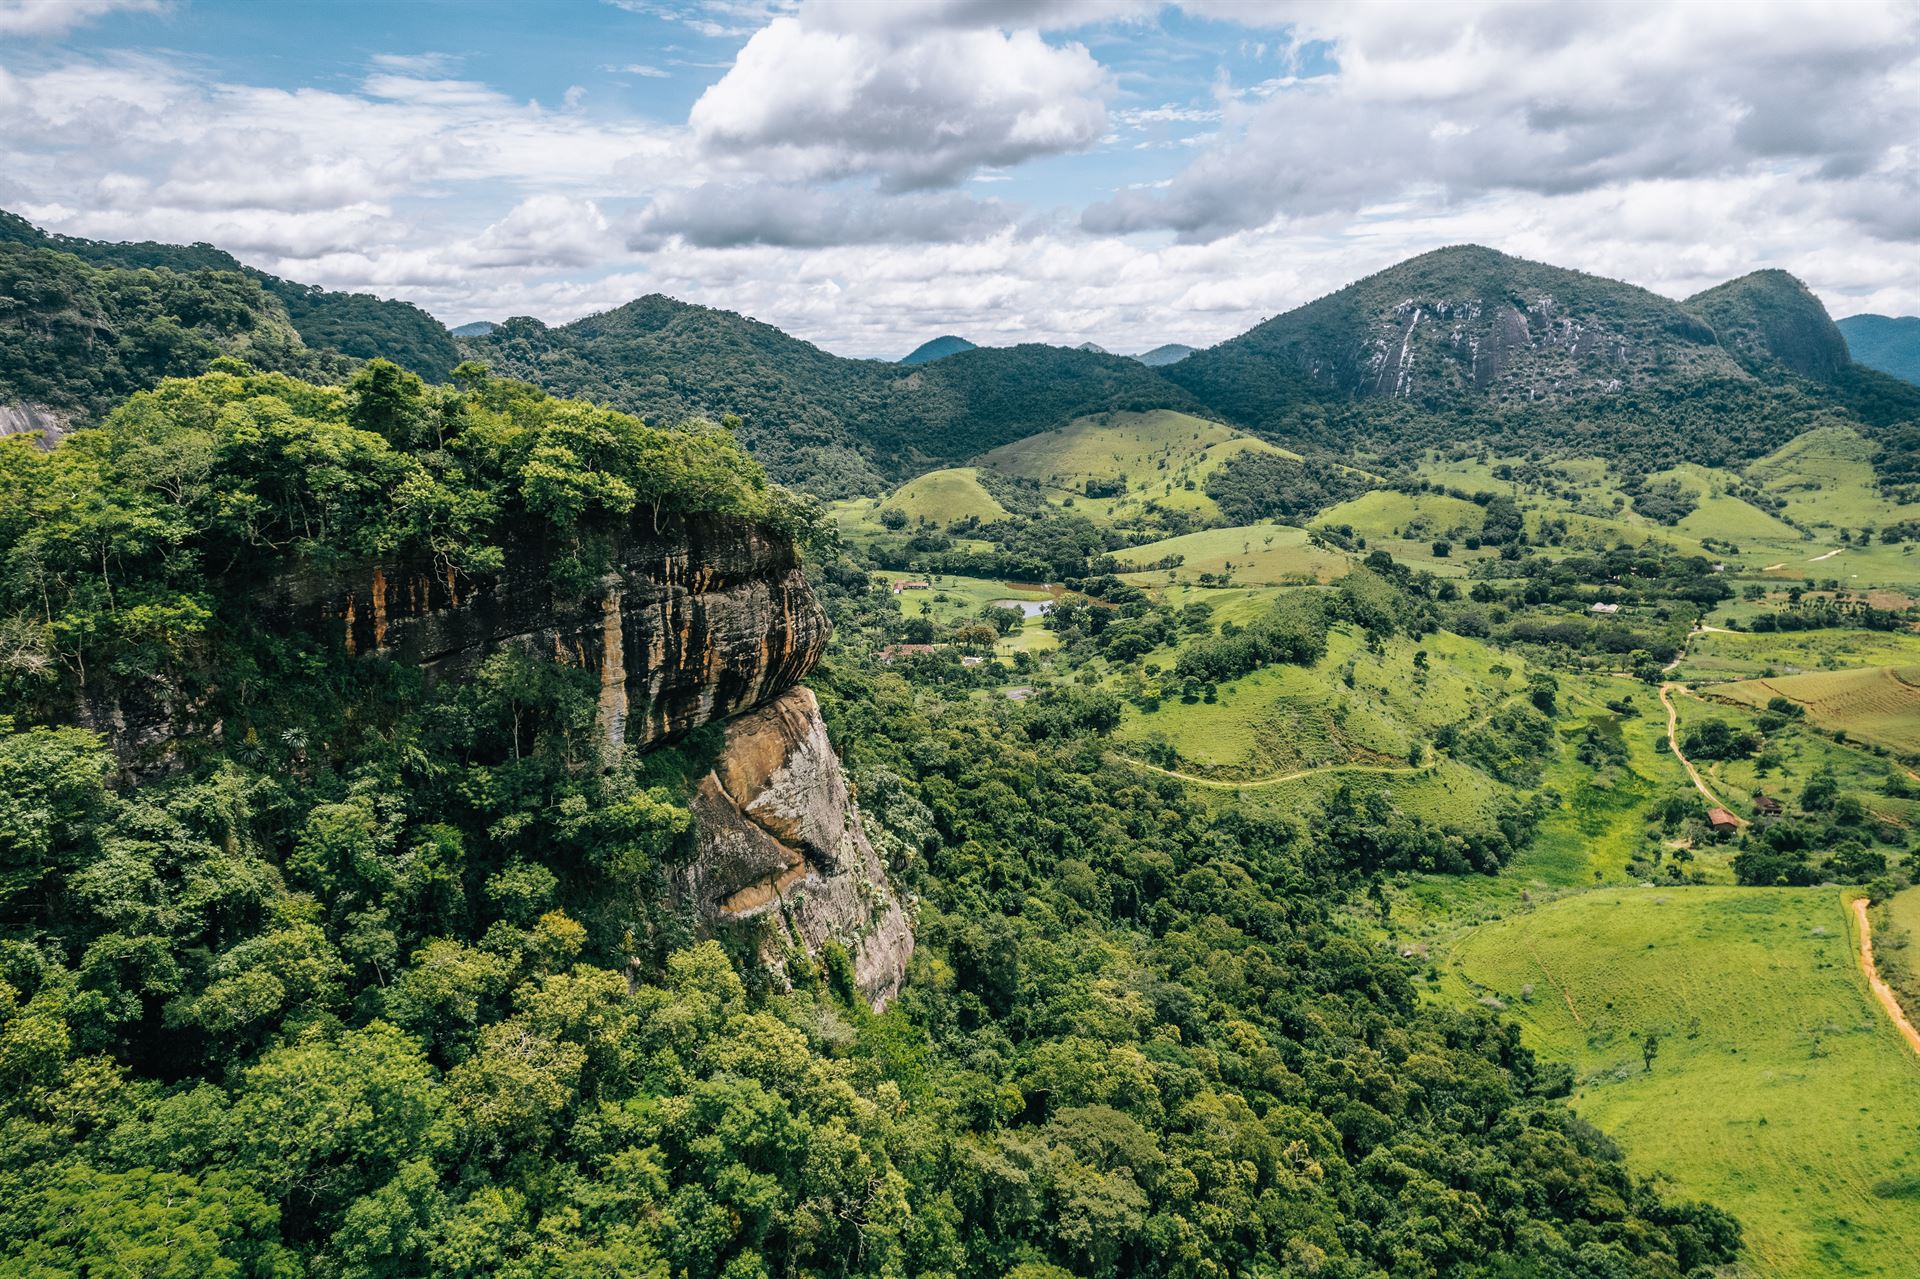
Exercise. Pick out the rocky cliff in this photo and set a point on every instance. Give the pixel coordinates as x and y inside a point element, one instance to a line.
<point>704,619</point>
<point>781,839</point>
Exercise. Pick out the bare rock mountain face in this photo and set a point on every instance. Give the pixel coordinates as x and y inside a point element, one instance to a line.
<point>781,838</point>
<point>707,620</point>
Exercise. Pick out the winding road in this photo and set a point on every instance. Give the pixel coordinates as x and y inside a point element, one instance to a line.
<point>1881,991</point>
<point>1673,744</point>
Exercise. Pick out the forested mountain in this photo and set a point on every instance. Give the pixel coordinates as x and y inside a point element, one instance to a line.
<point>355,324</point>
<point>1771,323</point>
<point>937,348</point>
<point>474,329</point>
<point>831,424</point>
<point>1890,344</point>
<point>77,339</point>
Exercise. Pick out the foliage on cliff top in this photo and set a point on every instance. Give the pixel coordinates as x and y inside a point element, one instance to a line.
<point>124,540</point>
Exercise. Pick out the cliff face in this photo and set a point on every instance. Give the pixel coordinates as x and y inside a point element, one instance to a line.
<point>707,620</point>
<point>690,625</point>
<point>780,839</point>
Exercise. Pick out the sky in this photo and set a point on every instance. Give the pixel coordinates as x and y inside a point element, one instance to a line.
<point>867,174</point>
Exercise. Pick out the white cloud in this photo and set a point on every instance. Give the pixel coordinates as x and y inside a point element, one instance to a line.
<point>1473,99</point>
<point>925,109</point>
<point>638,69</point>
<point>56,17</point>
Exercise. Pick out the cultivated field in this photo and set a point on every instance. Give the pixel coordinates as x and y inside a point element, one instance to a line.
<point>1777,1089</point>
<point>1879,705</point>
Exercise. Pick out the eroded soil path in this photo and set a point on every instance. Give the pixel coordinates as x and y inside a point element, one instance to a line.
<point>1673,744</point>
<point>1881,991</point>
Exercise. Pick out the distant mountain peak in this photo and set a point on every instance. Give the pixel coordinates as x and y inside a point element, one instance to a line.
<point>1091,348</point>
<point>937,349</point>
<point>1165,354</point>
<point>1889,343</point>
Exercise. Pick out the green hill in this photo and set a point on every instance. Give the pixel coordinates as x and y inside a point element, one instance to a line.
<point>1887,343</point>
<point>76,339</point>
<point>835,425</point>
<point>937,349</point>
<point>941,497</point>
<point>1771,323</point>
<point>355,324</point>
<point>1170,353</point>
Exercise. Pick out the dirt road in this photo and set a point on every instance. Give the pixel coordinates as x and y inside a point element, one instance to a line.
<point>1673,744</point>
<point>1881,991</point>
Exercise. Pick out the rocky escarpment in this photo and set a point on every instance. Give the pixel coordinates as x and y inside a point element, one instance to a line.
<point>781,841</point>
<point>706,618</point>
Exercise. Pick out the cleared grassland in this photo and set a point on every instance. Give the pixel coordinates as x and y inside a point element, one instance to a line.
<point>1162,455</point>
<point>1720,514</point>
<point>1255,555</point>
<point>1284,718</point>
<point>1778,1090</point>
<point>1880,705</point>
<point>1826,479</point>
<point>1737,654</point>
<point>945,496</point>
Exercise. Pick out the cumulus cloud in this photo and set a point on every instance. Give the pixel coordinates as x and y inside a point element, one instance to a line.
<point>717,215</point>
<point>1464,101</point>
<point>56,17</point>
<point>822,183</point>
<point>914,109</point>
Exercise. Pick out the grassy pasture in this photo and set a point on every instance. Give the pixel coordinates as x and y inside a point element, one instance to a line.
<point>1255,555</point>
<point>1162,455</point>
<point>942,497</point>
<point>1826,479</point>
<point>1738,654</point>
<point>1778,1089</point>
<point>1880,705</point>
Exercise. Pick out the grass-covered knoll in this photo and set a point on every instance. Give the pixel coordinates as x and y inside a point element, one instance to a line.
<point>1879,705</point>
<point>1777,1088</point>
<point>1719,513</point>
<point>1826,480</point>
<point>1114,464</point>
<point>1282,718</point>
<point>942,497</point>
<point>1723,654</point>
<point>1409,526</point>
<point>1250,555</point>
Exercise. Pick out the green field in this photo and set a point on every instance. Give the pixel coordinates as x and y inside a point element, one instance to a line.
<point>1879,705</point>
<point>1406,525</point>
<point>1826,479</point>
<point>1285,718</point>
<point>1164,457</point>
<point>941,497</point>
<point>1739,654</point>
<point>1778,1090</point>
<point>1252,554</point>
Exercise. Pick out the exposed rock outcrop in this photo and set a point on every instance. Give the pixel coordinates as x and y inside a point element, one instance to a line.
<point>24,418</point>
<point>781,837</point>
<point>704,619</point>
